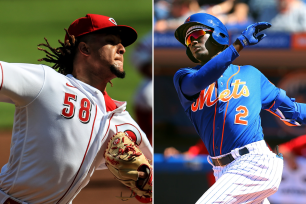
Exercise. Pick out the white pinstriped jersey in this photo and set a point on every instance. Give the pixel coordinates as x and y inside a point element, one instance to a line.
<point>60,132</point>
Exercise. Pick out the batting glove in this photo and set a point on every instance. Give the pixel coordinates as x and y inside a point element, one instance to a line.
<point>249,36</point>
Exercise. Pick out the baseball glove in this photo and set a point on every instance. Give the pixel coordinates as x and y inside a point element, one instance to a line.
<point>124,160</point>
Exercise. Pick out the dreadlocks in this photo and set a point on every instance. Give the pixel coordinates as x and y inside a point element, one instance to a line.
<point>61,56</point>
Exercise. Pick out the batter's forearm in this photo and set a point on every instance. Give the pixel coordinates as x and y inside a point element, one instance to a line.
<point>192,84</point>
<point>238,46</point>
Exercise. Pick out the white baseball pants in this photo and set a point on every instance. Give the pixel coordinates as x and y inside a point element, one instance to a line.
<point>250,178</point>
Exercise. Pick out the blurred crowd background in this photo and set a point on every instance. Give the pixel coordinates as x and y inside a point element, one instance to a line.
<point>284,15</point>
<point>179,153</point>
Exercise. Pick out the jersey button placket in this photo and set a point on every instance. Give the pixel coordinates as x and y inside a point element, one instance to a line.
<point>220,103</point>
<point>216,127</point>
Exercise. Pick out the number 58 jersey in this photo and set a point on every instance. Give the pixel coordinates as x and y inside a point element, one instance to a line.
<point>61,128</point>
<point>226,113</point>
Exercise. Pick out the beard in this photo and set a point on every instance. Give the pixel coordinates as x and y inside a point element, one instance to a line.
<point>115,70</point>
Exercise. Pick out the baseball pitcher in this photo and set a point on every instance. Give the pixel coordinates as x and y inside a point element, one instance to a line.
<point>66,125</point>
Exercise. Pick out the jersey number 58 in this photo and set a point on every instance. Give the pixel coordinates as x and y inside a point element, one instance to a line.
<point>69,110</point>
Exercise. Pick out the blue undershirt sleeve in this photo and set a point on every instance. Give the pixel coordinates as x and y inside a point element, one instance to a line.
<point>193,83</point>
<point>293,110</point>
<point>289,110</point>
<point>302,110</point>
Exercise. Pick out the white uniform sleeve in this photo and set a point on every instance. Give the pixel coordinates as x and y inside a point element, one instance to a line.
<point>21,83</point>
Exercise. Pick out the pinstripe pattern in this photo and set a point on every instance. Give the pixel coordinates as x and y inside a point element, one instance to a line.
<point>250,178</point>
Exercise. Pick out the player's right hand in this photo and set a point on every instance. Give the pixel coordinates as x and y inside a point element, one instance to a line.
<point>250,37</point>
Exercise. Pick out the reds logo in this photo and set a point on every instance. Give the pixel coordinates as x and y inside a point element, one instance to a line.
<point>112,20</point>
<point>131,131</point>
<point>131,135</point>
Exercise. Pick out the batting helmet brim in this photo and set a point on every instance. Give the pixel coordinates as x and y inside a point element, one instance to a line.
<point>180,32</point>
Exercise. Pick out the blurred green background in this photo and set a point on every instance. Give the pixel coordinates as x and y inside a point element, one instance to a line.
<point>25,23</point>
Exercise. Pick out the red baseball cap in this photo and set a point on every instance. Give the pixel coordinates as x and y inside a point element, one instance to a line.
<point>94,22</point>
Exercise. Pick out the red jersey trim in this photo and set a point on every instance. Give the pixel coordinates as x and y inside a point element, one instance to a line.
<point>70,85</point>
<point>83,157</point>
<point>2,76</point>
<point>109,103</point>
<point>108,126</point>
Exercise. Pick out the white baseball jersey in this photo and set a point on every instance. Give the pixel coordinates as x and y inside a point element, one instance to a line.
<point>61,129</point>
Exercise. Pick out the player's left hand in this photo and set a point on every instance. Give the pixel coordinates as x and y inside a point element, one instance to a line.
<point>250,37</point>
<point>129,165</point>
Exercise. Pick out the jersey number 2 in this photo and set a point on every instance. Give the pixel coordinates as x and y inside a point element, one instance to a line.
<point>243,112</point>
<point>69,110</point>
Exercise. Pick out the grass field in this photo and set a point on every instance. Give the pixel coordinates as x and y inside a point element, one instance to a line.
<point>25,23</point>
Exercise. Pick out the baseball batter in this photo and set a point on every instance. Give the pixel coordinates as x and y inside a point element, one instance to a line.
<point>63,120</point>
<point>223,101</point>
